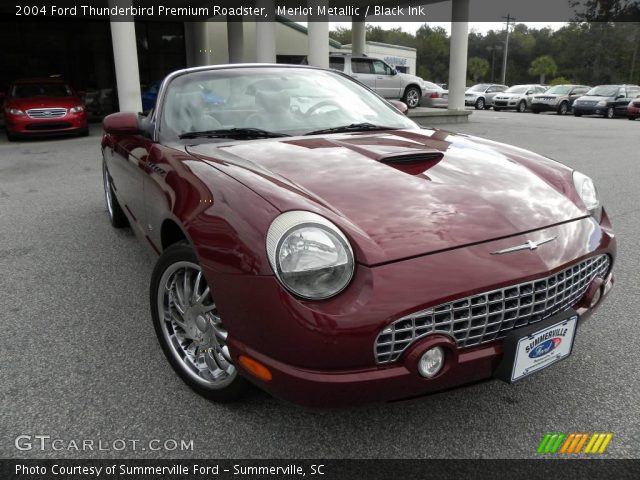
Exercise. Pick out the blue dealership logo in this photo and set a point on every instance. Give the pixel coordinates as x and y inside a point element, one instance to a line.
<point>545,347</point>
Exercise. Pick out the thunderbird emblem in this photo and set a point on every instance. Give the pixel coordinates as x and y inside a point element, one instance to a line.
<point>528,245</point>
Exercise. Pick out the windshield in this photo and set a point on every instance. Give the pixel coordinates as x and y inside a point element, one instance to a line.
<point>478,88</point>
<point>26,90</point>
<point>559,89</point>
<point>517,89</point>
<point>603,91</point>
<point>291,101</point>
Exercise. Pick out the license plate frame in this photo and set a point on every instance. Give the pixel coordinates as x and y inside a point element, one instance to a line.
<point>553,338</point>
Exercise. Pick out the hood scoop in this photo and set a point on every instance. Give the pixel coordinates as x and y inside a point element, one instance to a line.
<point>413,163</point>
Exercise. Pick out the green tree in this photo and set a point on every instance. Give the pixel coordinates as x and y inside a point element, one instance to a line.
<point>543,66</point>
<point>561,81</point>
<point>477,68</point>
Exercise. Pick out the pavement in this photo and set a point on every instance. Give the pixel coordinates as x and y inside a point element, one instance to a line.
<point>79,360</point>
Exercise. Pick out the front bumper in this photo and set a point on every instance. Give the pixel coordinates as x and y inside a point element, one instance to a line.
<point>322,354</point>
<point>544,107</point>
<point>589,110</point>
<point>633,111</point>
<point>23,125</point>
<point>511,103</point>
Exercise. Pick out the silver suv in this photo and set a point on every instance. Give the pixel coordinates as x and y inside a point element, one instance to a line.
<point>518,97</point>
<point>382,78</point>
<point>558,98</point>
<point>481,95</point>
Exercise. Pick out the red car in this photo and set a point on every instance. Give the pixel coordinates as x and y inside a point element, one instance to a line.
<point>43,106</point>
<point>633,109</point>
<point>314,241</point>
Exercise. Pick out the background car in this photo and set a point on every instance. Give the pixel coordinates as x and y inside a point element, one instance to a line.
<point>558,98</point>
<point>435,96</point>
<point>382,78</point>
<point>481,95</point>
<point>382,260</point>
<point>606,100</point>
<point>518,97</point>
<point>40,106</point>
<point>633,109</point>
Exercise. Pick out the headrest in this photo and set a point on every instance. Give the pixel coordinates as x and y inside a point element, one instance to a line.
<point>273,101</point>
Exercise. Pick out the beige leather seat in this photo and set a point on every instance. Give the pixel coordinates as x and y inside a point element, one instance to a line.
<point>275,112</point>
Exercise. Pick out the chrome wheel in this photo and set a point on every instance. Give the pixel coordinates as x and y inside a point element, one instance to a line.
<point>412,97</point>
<point>191,326</point>
<point>610,112</point>
<point>480,104</point>
<point>107,190</point>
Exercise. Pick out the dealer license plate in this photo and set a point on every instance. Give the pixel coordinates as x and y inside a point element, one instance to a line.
<point>531,350</point>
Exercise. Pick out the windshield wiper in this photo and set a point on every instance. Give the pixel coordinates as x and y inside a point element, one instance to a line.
<point>237,133</point>
<point>353,127</point>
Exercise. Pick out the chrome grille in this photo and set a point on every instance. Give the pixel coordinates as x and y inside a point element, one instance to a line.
<point>40,113</point>
<point>490,315</point>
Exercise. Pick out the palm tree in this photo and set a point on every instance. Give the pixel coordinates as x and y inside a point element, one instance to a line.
<point>543,66</point>
<point>478,68</point>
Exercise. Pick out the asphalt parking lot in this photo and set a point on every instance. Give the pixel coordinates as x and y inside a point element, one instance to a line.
<point>79,359</point>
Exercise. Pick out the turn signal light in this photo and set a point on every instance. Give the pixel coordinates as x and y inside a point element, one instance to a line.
<point>255,368</point>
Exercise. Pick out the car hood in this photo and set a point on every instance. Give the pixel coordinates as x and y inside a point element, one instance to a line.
<point>471,190</point>
<point>43,102</point>
<point>408,78</point>
<point>510,95</point>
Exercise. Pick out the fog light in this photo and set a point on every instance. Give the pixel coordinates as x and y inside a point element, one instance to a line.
<point>431,362</point>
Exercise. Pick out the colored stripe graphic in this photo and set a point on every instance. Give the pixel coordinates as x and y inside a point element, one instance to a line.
<point>572,443</point>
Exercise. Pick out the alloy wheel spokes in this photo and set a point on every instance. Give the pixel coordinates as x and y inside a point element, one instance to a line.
<point>193,327</point>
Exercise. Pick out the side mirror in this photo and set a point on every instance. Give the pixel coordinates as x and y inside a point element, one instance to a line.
<point>121,123</point>
<point>400,106</point>
<point>394,72</point>
<point>619,97</point>
<point>529,92</point>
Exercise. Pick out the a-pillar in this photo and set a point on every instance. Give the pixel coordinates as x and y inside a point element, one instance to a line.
<point>458,53</point>
<point>318,35</point>
<point>235,39</point>
<point>266,34</point>
<point>125,59</point>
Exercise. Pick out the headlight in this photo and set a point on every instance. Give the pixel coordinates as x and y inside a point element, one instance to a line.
<point>601,103</point>
<point>588,193</point>
<point>310,256</point>
<point>77,109</point>
<point>15,111</point>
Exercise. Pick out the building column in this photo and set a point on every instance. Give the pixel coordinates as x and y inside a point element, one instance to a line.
<point>266,34</point>
<point>197,44</point>
<point>235,39</point>
<point>458,53</point>
<point>318,35</point>
<point>358,35</point>
<point>125,59</point>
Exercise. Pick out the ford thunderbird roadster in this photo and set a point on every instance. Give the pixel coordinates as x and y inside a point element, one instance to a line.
<point>314,241</point>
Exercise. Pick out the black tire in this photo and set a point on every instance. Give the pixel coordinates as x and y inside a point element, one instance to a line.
<point>412,96</point>
<point>610,113</point>
<point>11,137</point>
<point>535,111</point>
<point>576,114</point>
<point>522,106</point>
<point>84,132</point>
<point>632,118</point>
<point>563,108</point>
<point>496,109</point>
<point>487,107</point>
<point>117,216</point>
<point>233,387</point>
<point>480,105</point>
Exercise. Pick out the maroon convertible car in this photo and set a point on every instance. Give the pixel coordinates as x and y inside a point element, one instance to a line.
<point>314,241</point>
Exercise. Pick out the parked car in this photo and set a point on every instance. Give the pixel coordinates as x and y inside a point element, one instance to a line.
<point>558,98</point>
<point>316,242</point>
<point>382,78</point>
<point>481,95</point>
<point>435,96</point>
<point>633,109</point>
<point>38,106</point>
<point>606,100</point>
<point>518,97</point>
